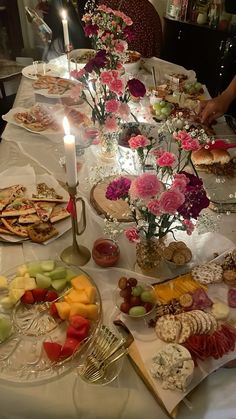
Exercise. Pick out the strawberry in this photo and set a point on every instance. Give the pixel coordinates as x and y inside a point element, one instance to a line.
<point>53,311</point>
<point>69,347</point>
<point>39,294</point>
<point>79,322</point>
<point>51,296</point>
<point>78,334</point>
<point>53,350</point>
<point>27,298</point>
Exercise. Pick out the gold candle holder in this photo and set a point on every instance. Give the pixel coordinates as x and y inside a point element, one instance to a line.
<point>68,50</point>
<point>76,254</point>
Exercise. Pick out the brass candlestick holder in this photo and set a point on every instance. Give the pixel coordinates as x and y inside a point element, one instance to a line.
<point>68,49</point>
<point>76,254</point>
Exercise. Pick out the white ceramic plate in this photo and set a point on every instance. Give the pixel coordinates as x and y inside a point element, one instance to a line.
<point>50,70</point>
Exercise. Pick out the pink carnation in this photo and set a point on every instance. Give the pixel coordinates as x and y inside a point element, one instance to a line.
<point>154,207</point>
<point>139,141</point>
<point>117,86</point>
<point>191,144</point>
<point>112,105</point>
<point>111,124</point>
<point>78,74</point>
<point>189,226</point>
<point>170,201</point>
<point>124,110</point>
<point>132,235</point>
<point>104,9</point>
<point>120,46</point>
<point>145,186</point>
<point>181,136</point>
<point>166,159</point>
<point>106,77</point>
<point>180,182</point>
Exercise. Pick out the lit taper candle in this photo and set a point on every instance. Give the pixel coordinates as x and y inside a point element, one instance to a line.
<point>65,28</point>
<point>70,154</point>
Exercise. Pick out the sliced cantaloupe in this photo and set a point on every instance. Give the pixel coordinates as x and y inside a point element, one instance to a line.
<point>91,293</point>
<point>89,311</point>
<point>80,282</point>
<point>63,309</point>
<point>77,296</point>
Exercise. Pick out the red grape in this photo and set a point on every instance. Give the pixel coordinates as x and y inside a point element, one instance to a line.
<point>124,307</point>
<point>135,301</point>
<point>122,284</point>
<point>126,293</point>
<point>132,282</point>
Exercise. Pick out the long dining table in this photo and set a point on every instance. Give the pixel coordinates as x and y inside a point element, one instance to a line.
<point>68,396</point>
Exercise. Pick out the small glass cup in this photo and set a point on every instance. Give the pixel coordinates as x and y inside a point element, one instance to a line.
<point>105,252</point>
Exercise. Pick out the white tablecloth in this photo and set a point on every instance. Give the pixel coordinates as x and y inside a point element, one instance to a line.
<point>127,397</point>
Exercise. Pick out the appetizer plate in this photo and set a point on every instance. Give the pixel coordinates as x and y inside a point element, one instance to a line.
<point>22,355</point>
<point>50,70</point>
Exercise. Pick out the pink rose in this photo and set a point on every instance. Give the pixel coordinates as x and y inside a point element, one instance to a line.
<point>106,77</point>
<point>191,144</point>
<point>189,226</point>
<point>170,201</point>
<point>180,182</point>
<point>111,124</point>
<point>145,186</point>
<point>123,110</point>
<point>139,141</point>
<point>132,235</point>
<point>166,159</point>
<point>117,86</point>
<point>154,207</point>
<point>112,105</point>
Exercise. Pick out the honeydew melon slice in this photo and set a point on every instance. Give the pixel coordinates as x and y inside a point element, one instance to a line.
<point>48,265</point>
<point>5,329</point>
<point>34,268</point>
<point>70,275</point>
<point>59,284</point>
<point>58,273</point>
<point>43,281</point>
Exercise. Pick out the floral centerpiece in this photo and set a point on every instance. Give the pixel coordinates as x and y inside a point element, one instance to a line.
<point>161,202</point>
<point>102,82</point>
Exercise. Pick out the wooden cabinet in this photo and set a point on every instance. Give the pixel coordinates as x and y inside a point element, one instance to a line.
<point>195,47</point>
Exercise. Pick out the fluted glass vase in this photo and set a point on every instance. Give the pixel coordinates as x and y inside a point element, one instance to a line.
<point>149,254</point>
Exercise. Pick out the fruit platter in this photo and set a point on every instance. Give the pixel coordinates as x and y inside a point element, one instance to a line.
<point>188,330</point>
<point>49,314</point>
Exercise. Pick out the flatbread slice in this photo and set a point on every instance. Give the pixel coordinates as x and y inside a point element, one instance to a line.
<point>58,213</point>
<point>20,206</point>
<point>44,209</point>
<point>28,219</point>
<point>45,193</point>
<point>8,194</point>
<point>15,228</point>
<point>42,232</point>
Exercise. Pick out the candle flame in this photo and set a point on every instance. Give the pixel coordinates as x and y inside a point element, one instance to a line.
<point>63,14</point>
<point>66,126</point>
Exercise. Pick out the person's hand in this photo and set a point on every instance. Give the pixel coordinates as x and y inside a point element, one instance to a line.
<point>213,109</point>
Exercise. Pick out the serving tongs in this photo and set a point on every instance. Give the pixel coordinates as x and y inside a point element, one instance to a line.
<point>107,349</point>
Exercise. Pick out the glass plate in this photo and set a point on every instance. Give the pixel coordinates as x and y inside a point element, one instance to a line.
<point>22,357</point>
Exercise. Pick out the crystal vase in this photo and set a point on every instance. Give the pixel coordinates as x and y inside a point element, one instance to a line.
<point>149,254</point>
<point>108,144</point>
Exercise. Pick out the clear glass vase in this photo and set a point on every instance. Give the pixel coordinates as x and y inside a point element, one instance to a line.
<point>149,254</point>
<point>108,144</point>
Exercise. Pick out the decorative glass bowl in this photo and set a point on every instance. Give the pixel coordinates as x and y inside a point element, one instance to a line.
<point>136,306</point>
<point>22,356</point>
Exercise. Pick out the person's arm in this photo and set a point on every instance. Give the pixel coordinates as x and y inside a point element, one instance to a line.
<point>214,108</point>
